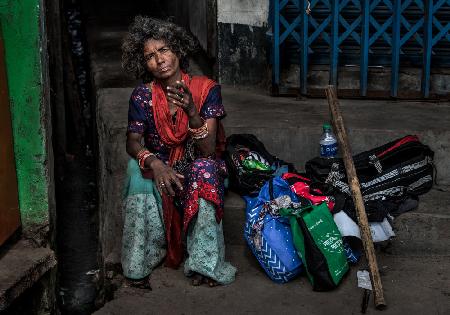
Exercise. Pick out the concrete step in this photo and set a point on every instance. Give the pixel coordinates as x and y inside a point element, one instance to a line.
<point>22,265</point>
<point>424,231</point>
<point>420,232</point>
<point>105,54</point>
<point>411,286</point>
<point>234,219</point>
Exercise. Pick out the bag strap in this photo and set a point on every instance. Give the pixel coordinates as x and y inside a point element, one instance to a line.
<point>375,161</point>
<point>399,143</point>
<point>334,174</point>
<point>307,208</point>
<point>272,196</point>
<point>297,212</point>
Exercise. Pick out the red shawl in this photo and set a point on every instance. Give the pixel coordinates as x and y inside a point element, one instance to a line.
<point>175,136</point>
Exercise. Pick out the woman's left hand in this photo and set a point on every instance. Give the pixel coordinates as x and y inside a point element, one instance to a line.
<point>180,95</point>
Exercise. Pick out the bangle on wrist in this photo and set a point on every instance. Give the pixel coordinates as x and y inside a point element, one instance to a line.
<point>199,133</point>
<point>141,156</point>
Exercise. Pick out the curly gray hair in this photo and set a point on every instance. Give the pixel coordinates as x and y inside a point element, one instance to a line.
<point>145,28</point>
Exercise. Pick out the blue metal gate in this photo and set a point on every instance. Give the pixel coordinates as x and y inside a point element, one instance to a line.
<point>366,32</point>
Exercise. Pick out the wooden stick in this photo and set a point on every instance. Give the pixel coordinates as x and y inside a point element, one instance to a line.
<point>341,134</point>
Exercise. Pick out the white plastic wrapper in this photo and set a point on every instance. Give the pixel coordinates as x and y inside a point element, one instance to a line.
<point>346,225</point>
<point>364,279</point>
<point>381,231</point>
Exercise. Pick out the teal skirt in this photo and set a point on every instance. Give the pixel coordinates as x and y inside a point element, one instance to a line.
<point>144,243</point>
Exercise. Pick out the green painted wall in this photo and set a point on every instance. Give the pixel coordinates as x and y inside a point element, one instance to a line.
<point>20,25</point>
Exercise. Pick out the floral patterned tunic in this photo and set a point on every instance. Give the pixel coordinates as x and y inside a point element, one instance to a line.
<point>205,178</point>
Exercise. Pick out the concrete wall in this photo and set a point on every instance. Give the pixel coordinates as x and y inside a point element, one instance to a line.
<point>22,26</point>
<point>247,12</point>
<point>199,17</point>
<point>232,33</point>
<point>242,44</point>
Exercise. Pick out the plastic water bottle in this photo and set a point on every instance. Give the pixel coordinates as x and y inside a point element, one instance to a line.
<point>328,143</point>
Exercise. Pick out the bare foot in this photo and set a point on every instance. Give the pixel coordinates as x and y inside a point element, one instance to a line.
<point>140,284</point>
<point>212,283</point>
<point>197,280</point>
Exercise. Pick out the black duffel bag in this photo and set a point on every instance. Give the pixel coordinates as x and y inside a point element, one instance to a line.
<point>399,168</point>
<point>246,181</point>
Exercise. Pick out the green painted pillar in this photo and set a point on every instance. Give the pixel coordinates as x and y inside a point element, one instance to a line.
<point>20,22</point>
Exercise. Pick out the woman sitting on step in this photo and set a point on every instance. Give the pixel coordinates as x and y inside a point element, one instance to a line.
<point>175,181</point>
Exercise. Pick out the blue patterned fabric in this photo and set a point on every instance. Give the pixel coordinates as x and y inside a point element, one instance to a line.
<point>143,241</point>
<point>205,245</point>
<point>278,256</point>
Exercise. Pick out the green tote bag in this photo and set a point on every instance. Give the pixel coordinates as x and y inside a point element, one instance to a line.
<point>319,244</point>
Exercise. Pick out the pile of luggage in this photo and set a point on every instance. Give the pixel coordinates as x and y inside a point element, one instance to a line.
<point>307,221</point>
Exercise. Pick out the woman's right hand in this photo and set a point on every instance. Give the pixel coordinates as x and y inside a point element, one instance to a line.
<point>165,177</point>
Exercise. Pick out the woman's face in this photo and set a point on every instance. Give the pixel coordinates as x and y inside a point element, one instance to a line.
<point>162,63</point>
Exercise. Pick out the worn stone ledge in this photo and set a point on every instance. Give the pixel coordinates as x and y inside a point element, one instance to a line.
<point>21,266</point>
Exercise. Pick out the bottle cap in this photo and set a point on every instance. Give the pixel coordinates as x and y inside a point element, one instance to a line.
<point>326,126</point>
